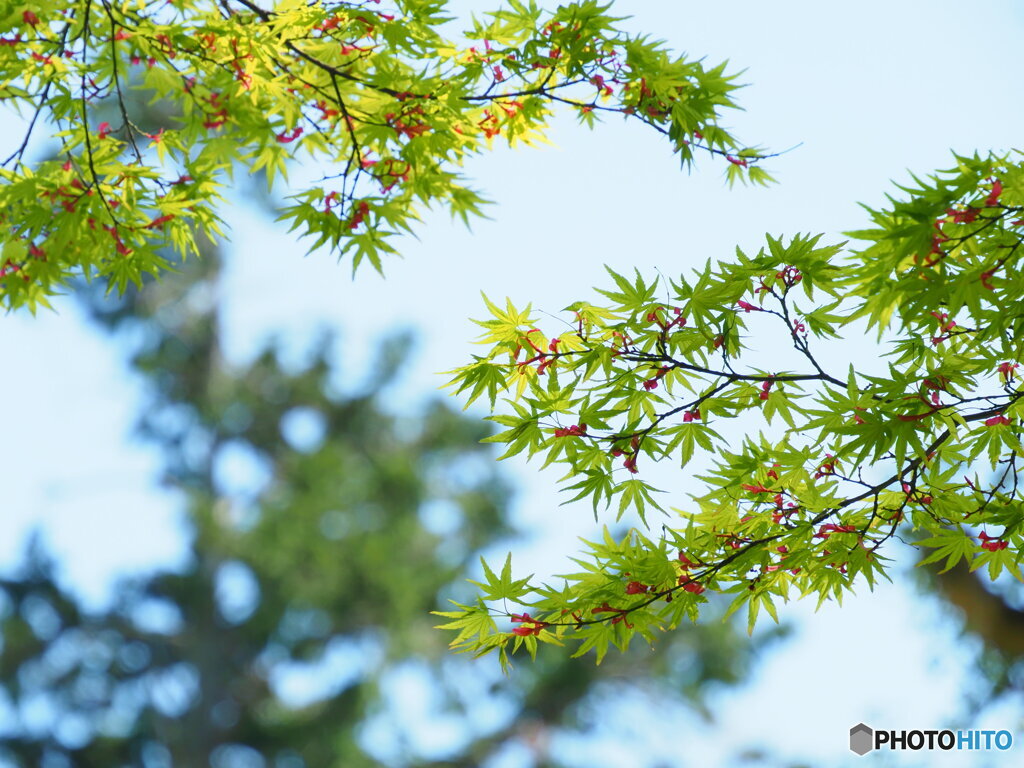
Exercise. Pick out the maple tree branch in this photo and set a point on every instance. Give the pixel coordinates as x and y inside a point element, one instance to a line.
<point>709,570</point>
<point>129,127</point>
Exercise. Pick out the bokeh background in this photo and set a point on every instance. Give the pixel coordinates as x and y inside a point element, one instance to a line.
<point>228,502</point>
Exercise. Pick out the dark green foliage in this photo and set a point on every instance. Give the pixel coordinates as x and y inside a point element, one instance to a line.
<point>325,556</point>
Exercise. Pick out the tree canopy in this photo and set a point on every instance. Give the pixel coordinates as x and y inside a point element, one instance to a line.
<point>385,102</point>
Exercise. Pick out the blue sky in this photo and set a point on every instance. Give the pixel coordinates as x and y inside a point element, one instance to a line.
<point>870,91</point>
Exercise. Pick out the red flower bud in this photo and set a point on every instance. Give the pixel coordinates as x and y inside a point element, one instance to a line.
<point>160,221</point>
<point>992,543</point>
<point>534,627</point>
<point>690,585</point>
<point>287,138</point>
<point>993,197</point>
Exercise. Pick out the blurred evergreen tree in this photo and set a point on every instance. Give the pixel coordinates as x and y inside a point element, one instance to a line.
<point>308,590</point>
<point>992,613</point>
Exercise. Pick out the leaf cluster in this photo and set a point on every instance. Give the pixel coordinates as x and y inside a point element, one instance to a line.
<point>845,460</point>
<point>378,97</point>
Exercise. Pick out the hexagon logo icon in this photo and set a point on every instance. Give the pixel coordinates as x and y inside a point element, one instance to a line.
<point>861,738</point>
